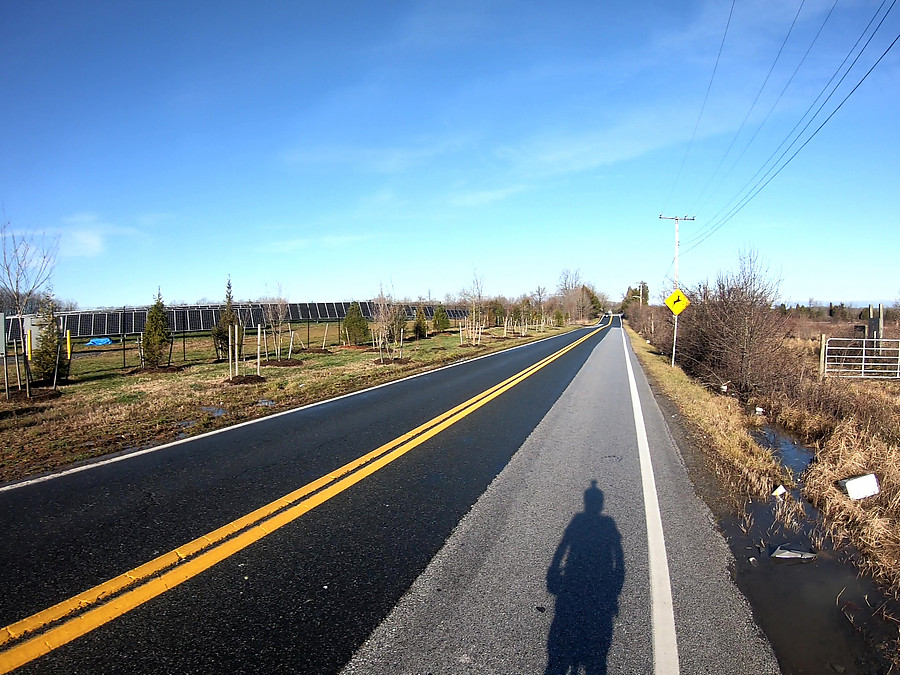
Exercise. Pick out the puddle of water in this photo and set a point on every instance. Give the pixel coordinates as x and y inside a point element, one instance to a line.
<point>186,424</point>
<point>812,611</point>
<point>213,410</point>
<point>788,450</point>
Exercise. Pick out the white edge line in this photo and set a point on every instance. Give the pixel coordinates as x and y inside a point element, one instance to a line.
<point>157,448</point>
<point>665,643</point>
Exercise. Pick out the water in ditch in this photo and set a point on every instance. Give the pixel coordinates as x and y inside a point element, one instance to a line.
<point>819,614</point>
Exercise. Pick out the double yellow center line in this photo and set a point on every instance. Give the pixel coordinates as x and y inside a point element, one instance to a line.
<point>80,614</point>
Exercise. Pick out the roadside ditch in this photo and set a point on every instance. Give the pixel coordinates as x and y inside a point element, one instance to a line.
<point>819,613</point>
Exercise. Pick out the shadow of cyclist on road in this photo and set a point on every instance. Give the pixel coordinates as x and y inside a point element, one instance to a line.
<point>586,576</point>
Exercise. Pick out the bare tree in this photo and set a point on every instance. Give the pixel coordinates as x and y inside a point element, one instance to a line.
<point>569,280</point>
<point>570,292</point>
<point>277,313</point>
<point>25,270</point>
<point>473,296</point>
<point>389,321</point>
<point>539,295</point>
<point>732,333</point>
<point>26,266</point>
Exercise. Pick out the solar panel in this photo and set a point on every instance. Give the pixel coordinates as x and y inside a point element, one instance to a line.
<point>208,320</point>
<point>194,318</point>
<point>257,316</point>
<point>140,320</point>
<point>112,323</point>
<point>72,323</point>
<point>85,325</point>
<point>12,329</point>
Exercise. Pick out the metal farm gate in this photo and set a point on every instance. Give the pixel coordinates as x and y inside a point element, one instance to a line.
<point>862,358</point>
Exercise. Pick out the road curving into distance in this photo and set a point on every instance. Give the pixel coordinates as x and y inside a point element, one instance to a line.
<point>472,519</point>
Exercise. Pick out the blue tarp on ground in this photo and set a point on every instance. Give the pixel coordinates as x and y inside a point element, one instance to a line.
<point>96,342</point>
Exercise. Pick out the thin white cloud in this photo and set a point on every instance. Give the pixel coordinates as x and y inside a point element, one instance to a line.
<point>629,137</point>
<point>484,197</point>
<point>86,235</point>
<point>148,220</point>
<point>294,244</point>
<point>385,160</point>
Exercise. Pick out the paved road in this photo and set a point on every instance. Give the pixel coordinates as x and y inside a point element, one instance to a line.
<point>483,523</point>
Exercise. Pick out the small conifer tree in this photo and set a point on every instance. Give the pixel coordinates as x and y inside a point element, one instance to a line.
<point>50,357</point>
<point>441,321</point>
<point>156,334</point>
<point>356,325</point>
<point>559,318</point>
<point>420,329</point>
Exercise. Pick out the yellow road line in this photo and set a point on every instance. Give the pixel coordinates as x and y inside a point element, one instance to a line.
<point>192,558</point>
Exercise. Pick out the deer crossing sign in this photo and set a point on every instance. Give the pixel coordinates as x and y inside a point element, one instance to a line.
<point>677,302</point>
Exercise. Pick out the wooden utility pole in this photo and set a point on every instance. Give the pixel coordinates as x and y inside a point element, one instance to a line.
<point>676,219</point>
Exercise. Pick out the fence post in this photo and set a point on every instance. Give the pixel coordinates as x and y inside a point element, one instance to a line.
<point>822,348</point>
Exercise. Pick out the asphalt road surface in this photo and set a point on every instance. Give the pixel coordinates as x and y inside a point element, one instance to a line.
<point>503,519</point>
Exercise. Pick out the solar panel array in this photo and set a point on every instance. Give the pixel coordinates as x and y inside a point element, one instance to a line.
<point>196,318</point>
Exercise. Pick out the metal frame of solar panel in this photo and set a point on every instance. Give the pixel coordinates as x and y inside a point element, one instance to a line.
<point>197,318</point>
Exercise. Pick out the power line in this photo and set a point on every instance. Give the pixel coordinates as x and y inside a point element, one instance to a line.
<point>750,191</point>
<point>755,101</point>
<point>760,189</point>
<point>703,106</point>
<point>780,96</point>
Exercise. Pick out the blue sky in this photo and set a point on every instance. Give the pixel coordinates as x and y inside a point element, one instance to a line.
<point>333,148</point>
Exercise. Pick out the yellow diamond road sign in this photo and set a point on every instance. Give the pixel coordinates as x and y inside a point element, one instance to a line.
<point>677,302</point>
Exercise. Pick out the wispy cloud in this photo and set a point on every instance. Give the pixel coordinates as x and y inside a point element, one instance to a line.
<point>294,244</point>
<point>86,235</point>
<point>385,160</point>
<point>629,137</point>
<point>483,197</point>
<point>148,220</point>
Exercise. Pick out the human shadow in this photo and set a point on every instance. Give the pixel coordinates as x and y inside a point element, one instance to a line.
<point>586,576</point>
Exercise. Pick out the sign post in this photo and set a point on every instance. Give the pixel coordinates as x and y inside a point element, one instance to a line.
<point>3,353</point>
<point>677,297</point>
<point>677,302</point>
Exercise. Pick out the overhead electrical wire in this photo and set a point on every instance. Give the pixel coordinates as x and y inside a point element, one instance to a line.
<point>752,105</point>
<point>736,197</point>
<point>780,95</point>
<point>703,106</point>
<point>748,191</point>
<point>747,200</point>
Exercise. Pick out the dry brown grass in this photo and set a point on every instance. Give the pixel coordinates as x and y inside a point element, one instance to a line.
<point>105,410</point>
<point>854,425</point>
<point>855,428</point>
<point>870,524</point>
<point>748,469</point>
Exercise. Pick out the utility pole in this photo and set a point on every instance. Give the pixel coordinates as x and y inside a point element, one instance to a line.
<point>676,219</point>
<point>641,285</point>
